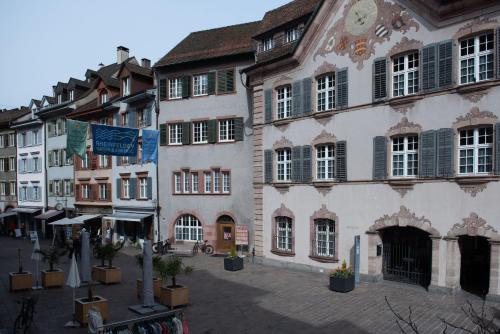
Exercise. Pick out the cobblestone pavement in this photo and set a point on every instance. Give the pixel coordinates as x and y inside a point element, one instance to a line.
<point>259,299</point>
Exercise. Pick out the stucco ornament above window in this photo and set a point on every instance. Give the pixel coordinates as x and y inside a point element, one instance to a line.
<point>404,127</point>
<point>324,138</point>
<point>475,26</point>
<point>365,23</point>
<point>282,143</point>
<point>475,117</point>
<point>474,226</point>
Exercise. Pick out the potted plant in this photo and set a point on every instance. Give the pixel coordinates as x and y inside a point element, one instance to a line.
<point>83,305</point>
<point>156,280</point>
<point>52,277</point>
<point>173,295</point>
<point>107,274</point>
<point>20,280</point>
<point>342,279</point>
<point>233,262</point>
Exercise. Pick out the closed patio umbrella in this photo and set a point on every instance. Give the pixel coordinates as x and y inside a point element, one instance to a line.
<point>148,298</point>
<point>85,261</point>
<point>37,257</point>
<point>74,282</point>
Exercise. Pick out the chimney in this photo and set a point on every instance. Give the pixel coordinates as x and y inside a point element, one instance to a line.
<point>121,54</point>
<point>145,62</point>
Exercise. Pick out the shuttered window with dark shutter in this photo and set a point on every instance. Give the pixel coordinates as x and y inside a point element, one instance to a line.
<point>445,64</point>
<point>497,149</point>
<point>211,83</point>
<point>306,163</point>
<point>297,164</point>
<point>306,96</point>
<point>268,105</point>
<point>118,188</point>
<point>379,79</point>
<point>163,89</point>
<point>342,89</point>
<point>341,161</point>
<point>225,81</point>
<point>268,166</point>
<point>427,156</point>
<point>186,133</point>
<point>445,139</point>
<point>379,158</point>
<point>297,98</point>
<point>186,86</point>
<point>212,131</point>
<point>238,129</point>
<point>429,57</point>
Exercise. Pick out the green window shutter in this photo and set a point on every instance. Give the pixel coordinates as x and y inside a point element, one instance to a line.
<point>211,83</point>
<point>342,89</point>
<point>211,131</point>
<point>225,81</point>
<point>51,188</point>
<point>239,129</point>
<point>297,98</point>
<point>379,158</point>
<point>149,189</point>
<point>427,154</point>
<point>379,79</point>
<point>297,163</point>
<point>445,138</point>
<point>133,188</point>
<point>445,64</point>
<point>429,61</point>
<point>341,161</point>
<point>162,89</point>
<point>306,163</point>
<point>186,86</point>
<point>118,188</point>
<point>51,158</point>
<point>163,134</point>
<point>306,95</point>
<point>268,166</point>
<point>186,133</point>
<point>497,148</point>
<point>268,105</point>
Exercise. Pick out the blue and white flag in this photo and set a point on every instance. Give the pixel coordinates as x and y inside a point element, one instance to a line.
<point>113,140</point>
<point>150,145</point>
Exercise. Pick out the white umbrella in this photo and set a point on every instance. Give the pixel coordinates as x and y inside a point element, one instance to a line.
<point>74,282</point>
<point>85,258</point>
<point>37,257</point>
<point>148,298</point>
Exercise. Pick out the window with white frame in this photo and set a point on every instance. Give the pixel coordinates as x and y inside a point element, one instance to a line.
<point>200,132</point>
<point>104,97</point>
<point>325,162</point>
<point>2,165</point>
<point>476,58</point>
<point>405,74</point>
<point>125,188</point>
<point>292,35</point>
<point>267,44</point>
<point>284,160</point>
<point>71,95</point>
<point>2,142</point>
<point>24,167</point>
<point>207,176</point>
<point>284,100</point>
<point>68,187</point>
<point>57,187</point>
<point>475,150</point>
<point>175,134</point>
<point>185,181</point>
<point>103,161</point>
<point>12,188</point>
<point>125,160</point>
<point>325,92</point>
<point>284,234</point>
<point>59,98</point>
<point>35,137</point>
<point>85,191</point>
<point>200,85</point>
<point>126,86</point>
<point>188,228</point>
<point>85,161</point>
<point>177,182</point>
<point>194,182</point>
<point>405,156</point>
<point>12,164</point>
<point>141,118</point>
<point>12,139</point>
<point>103,191</point>
<point>226,130</point>
<point>2,188</point>
<point>24,193</point>
<point>36,165</point>
<point>216,181</point>
<point>36,193</point>
<point>325,237</point>
<point>143,187</point>
<point>23,140</point>
<point>175,88</point>
<point>226,182</point>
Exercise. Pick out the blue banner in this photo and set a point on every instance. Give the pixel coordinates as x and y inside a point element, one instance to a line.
<point>150,145</point>
<point>113,140</point>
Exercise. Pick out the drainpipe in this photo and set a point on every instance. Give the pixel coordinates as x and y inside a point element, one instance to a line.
<point>157,112</point>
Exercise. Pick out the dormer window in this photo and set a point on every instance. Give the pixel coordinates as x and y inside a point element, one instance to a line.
<point>291,35</point>
<point>59,98</point>
<point>71,95</point>
<point>104,97</point>
<point>126,86</point>
<point>267,44</point>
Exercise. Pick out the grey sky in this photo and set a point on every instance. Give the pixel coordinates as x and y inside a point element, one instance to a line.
<point>43,42</point>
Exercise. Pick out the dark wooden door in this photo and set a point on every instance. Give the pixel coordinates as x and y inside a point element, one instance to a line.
<point>225,236</point>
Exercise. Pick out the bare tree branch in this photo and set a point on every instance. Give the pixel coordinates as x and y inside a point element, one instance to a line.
<point>399,318</point>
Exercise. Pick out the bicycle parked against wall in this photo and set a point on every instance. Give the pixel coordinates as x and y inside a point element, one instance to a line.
<point>162,247</point>
<point>25,318</point>
<point>203,247</point>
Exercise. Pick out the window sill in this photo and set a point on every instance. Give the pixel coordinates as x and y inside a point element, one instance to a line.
<point>282,185</point>
<point>323,184</point>
<point>283,122</point>
<point>396,101</point>
<point>324,114</point>
<point>476,86</point>
<point>282,253</point>
<point>475,179</point>
<point>403,181</point>
<point>323,259</point>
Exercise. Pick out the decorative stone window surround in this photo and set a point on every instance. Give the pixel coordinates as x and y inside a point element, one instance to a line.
<point>324,138</point>
<point>181,213</point>
<point>323,213</point>
<point>282,211</point>
<point>201,181</point>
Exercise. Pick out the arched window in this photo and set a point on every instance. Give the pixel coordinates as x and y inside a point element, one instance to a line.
<point>188,227</point>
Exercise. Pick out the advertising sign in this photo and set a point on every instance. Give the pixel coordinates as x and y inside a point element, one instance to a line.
<point>114,140</point>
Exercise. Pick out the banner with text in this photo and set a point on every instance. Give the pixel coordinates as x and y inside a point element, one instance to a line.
<point>113,140</point>
<point>76,140</point>
<point>150,145</point>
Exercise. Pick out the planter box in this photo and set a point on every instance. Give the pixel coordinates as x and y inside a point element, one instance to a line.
<point>82,307</point>
<point>52,278</point>
<point>107,275</point>
<point>233,264</point>
<point>174,296</point>
<point>20,281</point>
<point>156,287</point>
<point>342,285</point>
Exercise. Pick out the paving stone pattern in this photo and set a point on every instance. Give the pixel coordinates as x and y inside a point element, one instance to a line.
<point>259,299</point>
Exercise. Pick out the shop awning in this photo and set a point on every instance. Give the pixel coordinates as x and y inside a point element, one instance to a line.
<point>84,218</point>
<point>26,210</point>
<point>65,221</point>
<point>7,214</point>
<point>131,217</point>
<point>49,214</point>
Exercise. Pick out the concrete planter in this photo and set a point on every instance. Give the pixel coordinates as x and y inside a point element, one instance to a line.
<point>52,279</point>
<point>233,263</point>
<point>173,297</point>
<point>83,305</point>
<point>342,284</point>
<point>156,287</point>
<point>20,281</point>
<point>107,275</point>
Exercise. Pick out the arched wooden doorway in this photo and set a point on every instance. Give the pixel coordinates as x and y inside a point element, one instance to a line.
<point>226,233</point>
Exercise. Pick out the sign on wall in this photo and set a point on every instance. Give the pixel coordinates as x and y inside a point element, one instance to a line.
<point>241,235</point>
<point>112,140</point>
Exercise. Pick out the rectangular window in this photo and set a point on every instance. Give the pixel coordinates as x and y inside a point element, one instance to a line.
<point>2,142</point>
<point>12,164</point>
<point>185,177</point>
<point>85,191</point>
<point>291,35</point>
<point>284,159</point>
<point>68,187</point>
<point>59,98</point>
<point>24,193</point>
<point>200,132</point>
<point>36,165</point>
<point>200,85</point>
<point>476,151</point>
<point>24,166</point>
<point>284,234</point>
<point>216,181</point>
<point>57,187</point>
<point>405,156</point>
<point>226,182</point>
<point>124,119</point>
<point>284,100</point>
<point>177,182</point>
<point>12,188</point>
<point>126,86</point>
<point>405,74</point>
<point>175,88</point>
<point>326,92</point>
<point>267,44</point>
<point>194,182</point>
<point>325,162</point>
<point>12,139</point>
<point>175,134</point>
<point>141,118</point>
<point>226,130</point>
<point>103,161</point>
<point>103,191</point>
<point>23,140</point>
<point>125,188</point>
<point>476,58</point>
<point>125,160</point>
<point>2,188</point>
<point>2,165</point>
<point>225,81</point>
<point>36,193</point>
<point>104,97</point>
<point>207,176</point>
<point>35,137</point>
<point>143,187</point>
<point>325,237</point>
<point>85,161</point>
<point>71,95</point>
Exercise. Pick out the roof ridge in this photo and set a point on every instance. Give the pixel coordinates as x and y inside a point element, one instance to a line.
<point>229,26</point>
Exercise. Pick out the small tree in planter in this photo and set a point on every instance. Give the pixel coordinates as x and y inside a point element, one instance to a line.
<point>83,305</point>
<point>108,274</point>
<point>20,280</point>
<point>156,280</point>
<point>342,279</point>
<point>173,295</point>
<point>233,262</point>
<point>52,277</point>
